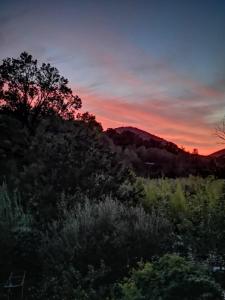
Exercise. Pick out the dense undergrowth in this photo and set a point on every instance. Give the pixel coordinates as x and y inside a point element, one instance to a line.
<point>88,250</point>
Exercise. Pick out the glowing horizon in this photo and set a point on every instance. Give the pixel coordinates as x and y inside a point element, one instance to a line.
<point>108,113</point>
<point>156,65</point>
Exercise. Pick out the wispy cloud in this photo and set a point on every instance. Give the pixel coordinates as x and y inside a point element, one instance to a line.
<point>120,76</point>
<point>189,131</point>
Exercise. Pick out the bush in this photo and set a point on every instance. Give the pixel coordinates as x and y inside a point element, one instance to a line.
<point>107,238</point>
<point>195,207</point>
<point>71,159</point>
<point>171,278</point>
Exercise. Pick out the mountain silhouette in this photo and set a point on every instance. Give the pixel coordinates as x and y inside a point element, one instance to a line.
<point>218,154</point>
<point>149,139</point>
<point>150,155</point>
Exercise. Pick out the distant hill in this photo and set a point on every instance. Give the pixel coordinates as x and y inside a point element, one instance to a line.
<point>218,154</point>
<point>150,155</point>
<point>149,140</point>
<point>141,133</point>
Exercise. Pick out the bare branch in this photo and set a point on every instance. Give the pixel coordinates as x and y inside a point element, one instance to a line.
<point>220,131</point>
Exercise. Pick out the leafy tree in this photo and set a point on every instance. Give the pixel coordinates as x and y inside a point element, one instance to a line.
<point>89,120</point>
<point>171,278</point>
<point>47,152</point>
<point>69,160</point>
<point>32,92</point>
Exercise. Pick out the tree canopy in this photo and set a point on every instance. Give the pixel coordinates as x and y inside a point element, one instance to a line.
<point>48,150</point>
<point>31,91</point>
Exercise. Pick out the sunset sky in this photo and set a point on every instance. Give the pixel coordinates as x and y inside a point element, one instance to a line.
<point>156,65</point>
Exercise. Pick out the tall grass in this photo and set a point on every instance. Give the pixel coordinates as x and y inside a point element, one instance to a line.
<point>182,191</point>
<point>12,214</point>
<point>195,208</point>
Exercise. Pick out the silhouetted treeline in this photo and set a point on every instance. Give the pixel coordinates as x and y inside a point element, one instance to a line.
<point>156,157</point>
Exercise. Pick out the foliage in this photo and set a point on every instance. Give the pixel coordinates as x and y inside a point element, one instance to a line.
<point>171,278</point>
<point>15,140</point>
<point>150,156</point>
<point>70,160</point>
<point>107,238</point>
<point>74,215</point>
<point>13,224</point>
<point>48,151</point>
<point>32,92</point>
<point>195,208</point>
<point>12,215</point>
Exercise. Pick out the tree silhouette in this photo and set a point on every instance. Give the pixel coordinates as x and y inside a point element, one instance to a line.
<point>220,131</point>
<point>31,92</point>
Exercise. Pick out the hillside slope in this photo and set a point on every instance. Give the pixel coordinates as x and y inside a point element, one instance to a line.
<point>218,154</point>
<point>141,133</point>
<point>150,155</point>
<point>132,135</point>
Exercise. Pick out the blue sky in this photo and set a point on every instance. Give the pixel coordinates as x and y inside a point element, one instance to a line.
<point>157,65</point>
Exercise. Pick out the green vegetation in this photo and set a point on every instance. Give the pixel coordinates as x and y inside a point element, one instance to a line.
<point>88,249</point>
<point>171,278</point>
<point>103,240</point>
<point>76,217</point>
<point>195,207</point>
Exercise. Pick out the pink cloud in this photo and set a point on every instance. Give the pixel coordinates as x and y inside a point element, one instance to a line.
<point>115,112</point>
